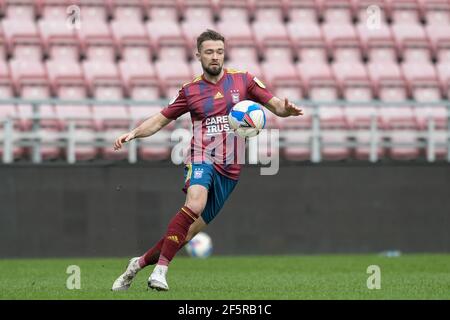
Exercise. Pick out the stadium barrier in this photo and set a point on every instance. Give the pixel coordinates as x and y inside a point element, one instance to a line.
<point>378,137</point>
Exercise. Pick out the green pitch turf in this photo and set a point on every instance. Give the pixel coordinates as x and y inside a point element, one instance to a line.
<point>249,277</point>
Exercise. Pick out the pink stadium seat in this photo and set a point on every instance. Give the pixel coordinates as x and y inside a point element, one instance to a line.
<point>141,113</point>
<point>234,10</point>
<point>156,147</point>
<point>304,11</point>
<point>96,40</point>
<point>129,10</point>
<point>437,113</point>
<point>199,10</point>
<point>436,12</point>
<point>297,145</point>
<point>100,74</point>
<point>172,75</point>
<point>332,117</point>
<point>165,33</point>
<point>378,43</point>
<point>307,41</point>
<point>191,30</point>
<point>22,34</point>
<point>386,76</point>
<point>318,81</point>
<point>108,137</point>
<point>48,149</point>
<point>363,139</point>
<point>338,11</point>
<point>3,51</point>
<point>269,10</point>
<point>7,111</point>
<point>64,73</point>
<point>303,122</point>
<point>249,66</point>
<point>405,11</point>
<point>280,73</point>
<point>353,80</point>
<point>420,75</point>
<point>128,34</point>
<point>6,89</point>
<point>439,37</point>
<point>81,115</point>
<point>237,34</point>
<point>29,78</point>
<point>342,41</point>
<point>110,117</point>
<point>46,112</point>
<point>270,35</point>
<point>361,116</point>
<point>412,42</point>
<point>163,10</point>
<point>21,10</point>
<point>443,69</point>
<point>84,148</point>
<point>334,152</point>
<point>407,151</point>
<point>54,35</point>
<point>292,93</point>
<point>245,53</point>
<point>95,11</point>
<point>139,74</point>
<point>398,118</point>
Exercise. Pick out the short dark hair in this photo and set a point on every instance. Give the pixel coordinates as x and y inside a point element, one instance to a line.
<point>209,35</point>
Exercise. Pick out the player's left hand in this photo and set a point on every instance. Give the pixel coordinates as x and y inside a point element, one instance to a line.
<point>292,109</point>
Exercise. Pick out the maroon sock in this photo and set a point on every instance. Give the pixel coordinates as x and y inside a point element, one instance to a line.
<point>152,255</point>
<point>176,234</point>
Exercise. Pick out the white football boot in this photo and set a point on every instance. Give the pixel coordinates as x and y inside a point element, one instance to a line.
<point>123,282</point>
<point>157,279</point>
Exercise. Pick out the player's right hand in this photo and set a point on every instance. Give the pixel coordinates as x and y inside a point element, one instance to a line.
<point>122,139</point>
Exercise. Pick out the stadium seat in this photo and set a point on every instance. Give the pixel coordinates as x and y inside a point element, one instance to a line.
<point>436,12</point>
<point>21,10</point>
<point>443,69</point>
<point>332,117</point>
<point>6,89</point>
<point>172,74</point>
<point>280,73</point>
<point>269,10</point>
<point>244,53</point>
<point>270,35</point>
<point>81,115</point>
<point>22,38</point>
<point>412,42</point>
<point>387,80</point>
<point>141,113</point>
<point>338,11</point>
<point>439,37</point>
<point>294,123</point>
<point>353,80</point>
<point>129,10</point>
<point>191,30</point>
<point>129,33</point>
<point>46,112</point>
<point>307,11</point>
<point>363,141</point>
<point>297,145</point>
<point>198,10</point>
<point>404,145</point>
<point>307,41</point>
<point>107,138</point>
<point>9,111</point>
<point>110,117</point>
<point>65,74</point>
<point>342,42</point>
<point>96,41</point>
<point>165,33</point>
<point>139,76</point>
<point>252,67</point>
<point>439,114</point>
<point>420,76</point>
<point>164,10</point>
<point>156,147</point>
<point>234,10</point>
<point>360,117</point>
<point>95,11</point>
<point>29,78</point>
<point>398,118</point>
<point>318,81</point>
<point>405,11</point>
<point>440,140</point>
<point>237,34</point>
<point>85,148</point>
<point>371,11</point>
<point>56,36</point>
<point>333,145</point>
<point>377,44</point>
<point>102,79</point>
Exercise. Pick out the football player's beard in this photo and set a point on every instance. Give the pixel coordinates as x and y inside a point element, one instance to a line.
<point>212,72</point>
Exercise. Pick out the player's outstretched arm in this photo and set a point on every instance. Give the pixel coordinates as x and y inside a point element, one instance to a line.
<point>283,108</point>
<point>145,129</point>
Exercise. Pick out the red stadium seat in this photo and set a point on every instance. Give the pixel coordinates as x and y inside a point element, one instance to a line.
<point>342,41</point>
<point>101,74</point>
<point>110,117</point>
<point>405,11</point>
<point>386,76</point>
<point>353,80</point>
<point>333,147</point>
<point>443,69</point>
<point>29,78</point>
<point>172,75</point>
<point>81,115</point>
<point>338,11</point>
<point>404,147</point>
<point>95,11</point>
<point>297,145</point>
<point>307,41</point>
<point>363,139</point>
<point>412,42</point>
<point>377,43</point>
<point>304,11</point>
<point>439,37</point>
<point>139,75</point>
<point>64,73</point>
<point>436,12</point>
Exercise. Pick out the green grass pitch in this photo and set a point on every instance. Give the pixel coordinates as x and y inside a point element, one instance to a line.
<point>421,276</point>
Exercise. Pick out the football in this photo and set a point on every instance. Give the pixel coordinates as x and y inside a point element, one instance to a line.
<point>247,118</point>
<point>200,246</point>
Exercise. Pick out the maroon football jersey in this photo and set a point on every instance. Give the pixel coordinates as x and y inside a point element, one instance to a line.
<point>209,105</point>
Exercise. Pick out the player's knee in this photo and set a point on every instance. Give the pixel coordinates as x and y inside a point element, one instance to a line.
<point>196,206</point>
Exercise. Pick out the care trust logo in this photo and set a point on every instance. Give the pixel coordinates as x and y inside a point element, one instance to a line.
<point>217,124</point>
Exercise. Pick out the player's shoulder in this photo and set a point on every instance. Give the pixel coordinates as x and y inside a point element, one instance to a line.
<point>193,81</point>
<point>235,71</point>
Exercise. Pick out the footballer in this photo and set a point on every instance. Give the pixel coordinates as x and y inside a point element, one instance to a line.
<point>208,98</point>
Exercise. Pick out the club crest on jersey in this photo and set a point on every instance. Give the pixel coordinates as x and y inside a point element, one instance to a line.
<point>198,173</point>
<point>235,96</point>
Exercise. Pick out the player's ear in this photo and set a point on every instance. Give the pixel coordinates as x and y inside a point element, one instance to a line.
<point>197,55</point>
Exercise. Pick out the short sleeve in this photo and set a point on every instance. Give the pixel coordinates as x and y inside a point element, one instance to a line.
<point>177,106</point>
<point>257,91</point>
